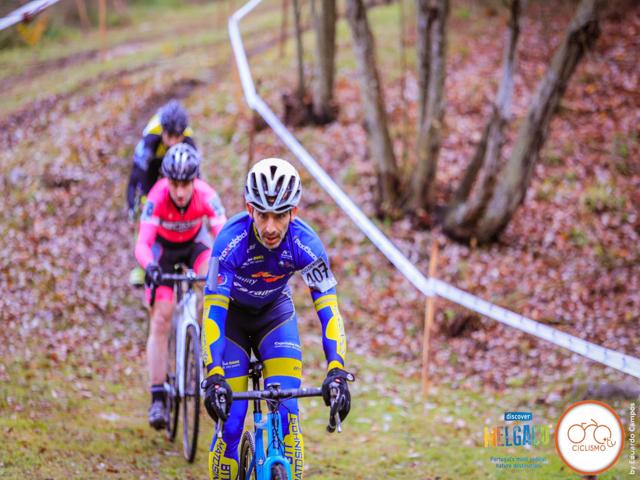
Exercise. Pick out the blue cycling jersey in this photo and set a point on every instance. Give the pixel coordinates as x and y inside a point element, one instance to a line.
<point>254,276</point>
<point>244,271</point>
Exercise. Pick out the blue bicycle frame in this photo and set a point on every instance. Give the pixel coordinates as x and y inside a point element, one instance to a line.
<point>265,456</point>
<point>275,446</point>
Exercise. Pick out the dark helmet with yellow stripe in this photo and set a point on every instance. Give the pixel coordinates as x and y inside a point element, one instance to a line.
<point>173,118</point>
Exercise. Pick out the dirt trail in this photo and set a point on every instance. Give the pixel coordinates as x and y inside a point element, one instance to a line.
<point>36,69</point>
<point>75,205</point>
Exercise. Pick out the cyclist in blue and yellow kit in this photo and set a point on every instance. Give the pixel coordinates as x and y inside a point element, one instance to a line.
<point>248,306</point>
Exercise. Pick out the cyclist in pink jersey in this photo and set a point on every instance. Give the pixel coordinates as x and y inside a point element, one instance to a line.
<point>172,232</point>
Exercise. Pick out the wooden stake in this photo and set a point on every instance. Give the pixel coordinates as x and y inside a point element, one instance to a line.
<point>102,14</point>
<point>428,320</point>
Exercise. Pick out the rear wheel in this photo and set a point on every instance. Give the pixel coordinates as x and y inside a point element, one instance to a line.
<point>191,402</point>
<point>247,457</point>
<point>173,400</point>
<point>278,472</point>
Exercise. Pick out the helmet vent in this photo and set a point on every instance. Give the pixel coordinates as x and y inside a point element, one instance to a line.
<point>273,185</point>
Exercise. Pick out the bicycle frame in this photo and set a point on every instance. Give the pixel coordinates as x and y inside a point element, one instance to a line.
<point>266,456</point>
<point>184,315</point>
<point>185,340</point>
<point>262,462</point>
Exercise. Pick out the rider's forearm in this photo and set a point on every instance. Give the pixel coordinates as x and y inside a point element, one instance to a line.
<point>216,224</point>
<point>214,319</point>
<point>334,340</point>
<point>145,151</point>
<point>146,237</point>
<point>133,185</point>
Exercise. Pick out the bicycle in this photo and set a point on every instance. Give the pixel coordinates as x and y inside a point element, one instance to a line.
<point>184,369</point>
<point>577,433</point>
<point>255,463</point>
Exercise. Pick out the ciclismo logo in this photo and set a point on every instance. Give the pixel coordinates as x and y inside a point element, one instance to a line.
<point>589,437</point>
<point>517,432</point>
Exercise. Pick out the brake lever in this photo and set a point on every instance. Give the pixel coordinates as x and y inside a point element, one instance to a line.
<point>334,416</point>
<point>222,401</point>
<point>153,295</point>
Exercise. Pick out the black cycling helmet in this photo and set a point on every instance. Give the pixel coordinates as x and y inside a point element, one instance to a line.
<point>181,162</point>
<point>173,118</point>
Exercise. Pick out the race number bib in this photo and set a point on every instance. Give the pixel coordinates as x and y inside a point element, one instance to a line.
<point>317,275</point>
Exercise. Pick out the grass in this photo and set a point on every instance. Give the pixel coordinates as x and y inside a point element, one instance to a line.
<point>142,44</point>
<point>600,197</point>
<point>58,423</point>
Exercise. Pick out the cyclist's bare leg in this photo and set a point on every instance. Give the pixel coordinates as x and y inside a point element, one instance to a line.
<point>157,342</point>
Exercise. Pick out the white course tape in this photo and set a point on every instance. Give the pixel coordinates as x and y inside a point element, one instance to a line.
<point>25,11</point>
<point>431,286</point>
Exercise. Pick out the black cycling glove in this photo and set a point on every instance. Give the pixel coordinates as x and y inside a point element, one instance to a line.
<point>337,378</point>
<point>217,397</point>
<point>152,274</point>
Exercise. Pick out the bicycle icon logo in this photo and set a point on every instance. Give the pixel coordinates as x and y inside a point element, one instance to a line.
<point>601,434</point>
<point>589,437</point>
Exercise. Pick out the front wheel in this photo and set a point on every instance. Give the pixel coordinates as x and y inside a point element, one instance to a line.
<point>279,472</point>
<point>247,470</point>
<point>191,402</point>
<point>173,397</point>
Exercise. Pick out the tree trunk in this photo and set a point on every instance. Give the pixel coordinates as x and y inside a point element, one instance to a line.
<point>404,132</point>
<point>432,24</point>
<point>300,91</point>
<point>514,180</point>
<point>423,47</point>
<point>374,106</point>
<point>82,13</point>
<point>324,23</point>
<point>120,6</point>
<point>283,26</point>
<point>464,209</point>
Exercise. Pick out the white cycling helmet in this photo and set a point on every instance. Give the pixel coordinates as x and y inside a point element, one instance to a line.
<point>273,185</point>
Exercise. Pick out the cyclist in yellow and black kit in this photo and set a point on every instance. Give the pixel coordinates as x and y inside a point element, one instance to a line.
<point>166,128</point>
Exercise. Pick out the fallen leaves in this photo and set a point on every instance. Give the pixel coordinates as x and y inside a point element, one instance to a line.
<point>568,259</point>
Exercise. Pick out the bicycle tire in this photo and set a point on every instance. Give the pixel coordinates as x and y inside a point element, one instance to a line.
<point>173,399</point>
<point>279,472</point>
<point>579,438</point>
<point>605,438</point>
<point>191,402</point>
<point>247,454</point>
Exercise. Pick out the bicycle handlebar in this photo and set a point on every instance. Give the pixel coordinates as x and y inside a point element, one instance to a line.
<point>278,394</point>
<point>190,277</point>
<point>183,277</point>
